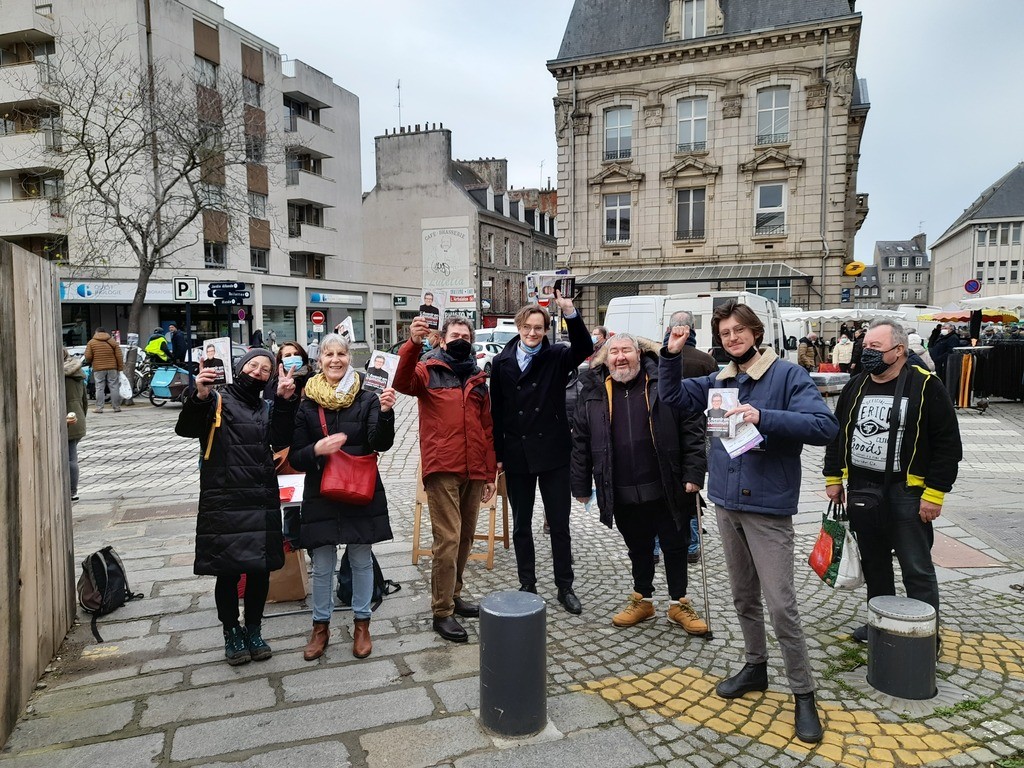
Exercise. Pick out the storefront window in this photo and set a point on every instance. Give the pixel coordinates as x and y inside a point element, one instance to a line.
<point>281,321</point>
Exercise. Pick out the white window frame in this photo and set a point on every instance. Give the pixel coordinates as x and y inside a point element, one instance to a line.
<point>618,133</point>
<point>917,294</point>
<point>694,21</point>
<point>613,205</point>
<point>257,205</point>
<point>904,261</point>
<point>766,217</point>
<point>206,72</point>
<point>919,261</point>
<point>891,261</point>
<point>773,117</point>
<point>259,259</point>
<point>692,128</point>
<point>690,203</point>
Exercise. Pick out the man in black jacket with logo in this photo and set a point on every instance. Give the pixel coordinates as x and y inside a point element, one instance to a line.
<point>647,462</point>
<point>531,435</point>
<point>912,484</point>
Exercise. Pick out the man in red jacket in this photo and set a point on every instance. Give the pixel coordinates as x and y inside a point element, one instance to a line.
<point>457,455</point>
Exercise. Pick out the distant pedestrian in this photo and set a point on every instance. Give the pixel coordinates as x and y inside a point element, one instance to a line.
<point>943,347</point>
<point>238,529</point>
<point>842,353</point>
<point>179,344</point>
<point>157,350</point>
<point>76,403</point>
<point>599,337</point>
<point>256,339</point>
<point>810,352</point>
<point>104,355</point>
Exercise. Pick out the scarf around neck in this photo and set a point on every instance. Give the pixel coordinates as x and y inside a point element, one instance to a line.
<point>322,392</point>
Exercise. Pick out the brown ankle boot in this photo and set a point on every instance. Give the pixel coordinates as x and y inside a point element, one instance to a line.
<point>361,643</point>
<point>317,641</point>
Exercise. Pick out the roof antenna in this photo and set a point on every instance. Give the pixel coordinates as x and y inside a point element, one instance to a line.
<point>398,87</point>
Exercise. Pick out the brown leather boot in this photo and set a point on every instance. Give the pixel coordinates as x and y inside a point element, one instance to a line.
<point>361,643</point>
<point>317,641</point>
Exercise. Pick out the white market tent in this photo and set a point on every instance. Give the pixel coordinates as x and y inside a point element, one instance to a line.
<point>843,315</point>
<point>1010,301</point>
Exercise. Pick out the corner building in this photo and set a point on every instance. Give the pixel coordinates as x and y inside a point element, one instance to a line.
<point>709,145</point>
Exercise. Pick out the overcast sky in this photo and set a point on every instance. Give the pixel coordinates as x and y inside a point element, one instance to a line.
<point>946,119</point>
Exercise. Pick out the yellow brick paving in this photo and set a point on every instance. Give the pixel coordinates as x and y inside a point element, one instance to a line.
<point>983,650</point>
<point>852,737</point>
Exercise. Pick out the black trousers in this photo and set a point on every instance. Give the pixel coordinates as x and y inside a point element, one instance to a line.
<point>639,524</point>
<point>555,494</point>
<point>225,594</point>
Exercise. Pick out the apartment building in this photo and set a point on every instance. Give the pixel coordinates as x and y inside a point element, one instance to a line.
<point>710,144</point>
<point>453,228</point>
<point>984,244</point>
<point>904,272</point>
<point>304,226</point>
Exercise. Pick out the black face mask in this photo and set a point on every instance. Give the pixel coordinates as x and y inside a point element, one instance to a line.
<point>745,357</point>
<point>248,383</point>
<point>458,349</point>
<point>872,361</point>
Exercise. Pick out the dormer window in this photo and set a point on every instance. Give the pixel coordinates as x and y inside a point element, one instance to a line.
<point>693,19</point>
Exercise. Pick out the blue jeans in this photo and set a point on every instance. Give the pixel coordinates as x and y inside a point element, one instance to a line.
<point>694,536</point>
<point>900,530</point>
<point>325,564</point>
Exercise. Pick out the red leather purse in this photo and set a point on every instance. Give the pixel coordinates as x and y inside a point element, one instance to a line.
<point>348,479</point>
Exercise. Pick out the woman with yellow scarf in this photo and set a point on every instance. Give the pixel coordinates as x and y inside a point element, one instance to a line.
<point>357,422</point>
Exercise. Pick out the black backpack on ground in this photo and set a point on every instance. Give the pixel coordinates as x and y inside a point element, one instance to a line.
<point>381,587</point>
<point>103,586</point>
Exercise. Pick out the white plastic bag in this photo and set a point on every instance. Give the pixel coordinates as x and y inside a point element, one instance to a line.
<point>124,386</point>
<point>851,573</point>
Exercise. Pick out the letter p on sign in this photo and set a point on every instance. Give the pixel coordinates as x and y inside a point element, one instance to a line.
<point>185,288</point>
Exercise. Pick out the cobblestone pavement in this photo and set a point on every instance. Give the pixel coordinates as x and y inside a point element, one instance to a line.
<point>157,691</point>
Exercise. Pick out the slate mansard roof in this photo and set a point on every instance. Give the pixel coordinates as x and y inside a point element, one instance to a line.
<point>598,27</point>
<point>1004,199</point>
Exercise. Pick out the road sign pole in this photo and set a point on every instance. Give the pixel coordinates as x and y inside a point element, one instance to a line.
<point>188,334</point>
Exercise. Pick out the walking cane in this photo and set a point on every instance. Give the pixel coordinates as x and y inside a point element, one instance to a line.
<point>709,635</point>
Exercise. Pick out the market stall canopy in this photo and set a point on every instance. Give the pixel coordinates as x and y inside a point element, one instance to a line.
<point>1011,301</point>
<point>987,315</point>
<point>843,315</point>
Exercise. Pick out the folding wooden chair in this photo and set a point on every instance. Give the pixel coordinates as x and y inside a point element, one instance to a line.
<point>491,511</point>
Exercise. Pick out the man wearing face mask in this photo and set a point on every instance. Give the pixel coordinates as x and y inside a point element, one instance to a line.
<point>457,456</point>
<point>944,345</point>
<point>908,480</point>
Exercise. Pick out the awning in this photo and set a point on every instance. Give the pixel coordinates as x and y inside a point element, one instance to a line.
<point>1011,301</point>
<point>694,274</point>
<point>843,315</point>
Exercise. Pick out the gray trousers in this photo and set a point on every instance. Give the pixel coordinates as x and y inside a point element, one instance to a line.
<point>759,556</point>
<point>104,380</point>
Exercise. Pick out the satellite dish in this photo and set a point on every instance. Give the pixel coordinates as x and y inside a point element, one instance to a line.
<point>854,268</point>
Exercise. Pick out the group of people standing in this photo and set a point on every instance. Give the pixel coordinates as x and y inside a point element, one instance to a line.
<point>636,441</point>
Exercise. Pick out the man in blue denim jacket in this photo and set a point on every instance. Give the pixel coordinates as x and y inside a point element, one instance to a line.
<point>756,493</point>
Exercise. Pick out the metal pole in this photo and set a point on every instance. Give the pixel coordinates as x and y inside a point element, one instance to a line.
<point>188,335</point>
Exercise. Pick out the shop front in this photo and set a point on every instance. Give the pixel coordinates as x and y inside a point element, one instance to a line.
<point>338,306</point>
<point>278,323</point>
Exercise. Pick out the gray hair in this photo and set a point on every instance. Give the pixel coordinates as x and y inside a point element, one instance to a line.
<point>682,317</point>
<point>333,340</point>
<point>899,333</point>
<point>625,337</point>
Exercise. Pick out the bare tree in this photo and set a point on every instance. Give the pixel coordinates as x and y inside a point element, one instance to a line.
<point>150,154</point>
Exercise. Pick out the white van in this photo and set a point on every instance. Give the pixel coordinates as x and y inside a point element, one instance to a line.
<point>502,334</point>
<point>648,316</point>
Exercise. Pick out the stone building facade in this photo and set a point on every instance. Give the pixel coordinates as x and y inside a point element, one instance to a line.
<point>904,272</point>
<point>710,133</point>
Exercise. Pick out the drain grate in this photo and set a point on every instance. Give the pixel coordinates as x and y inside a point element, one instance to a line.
<point>161,512</point>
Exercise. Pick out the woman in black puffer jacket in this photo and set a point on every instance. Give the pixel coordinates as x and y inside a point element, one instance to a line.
<point>238,529</point>
<point>358,422</point>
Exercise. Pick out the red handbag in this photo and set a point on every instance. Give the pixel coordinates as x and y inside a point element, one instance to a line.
<point>348,479</point>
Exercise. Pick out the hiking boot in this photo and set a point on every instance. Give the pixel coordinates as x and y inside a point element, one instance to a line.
<point>235,649</point>
<point>808,726</point>
<point>317,641</point>
<point>682,613</point>
<point>259,649</point>
<point>637,609</point>
<point>753,677</point>
<point>362,645</point>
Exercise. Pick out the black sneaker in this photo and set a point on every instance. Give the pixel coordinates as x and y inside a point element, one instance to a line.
<point>259,649</point>
<point>236,651</point>
<point>860,634</point>
<point>531,588</point>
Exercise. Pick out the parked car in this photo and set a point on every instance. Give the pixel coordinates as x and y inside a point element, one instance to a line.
<point>485,353</point>
<point>501,335</point>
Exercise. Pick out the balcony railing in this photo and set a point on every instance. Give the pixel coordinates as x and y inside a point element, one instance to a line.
<point>689,234</point>
<point>772,138</point>
<point>621,237</point>
<point>693,146</point>
<point>618,154</point>
<point>58,207</point>
<point>770,229</point>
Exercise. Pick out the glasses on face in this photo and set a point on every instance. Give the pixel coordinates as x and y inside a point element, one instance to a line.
<point>532,329</point>
<point>736,330</point>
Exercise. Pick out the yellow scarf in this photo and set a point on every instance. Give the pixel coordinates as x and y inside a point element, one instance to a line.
<point>322,392</point>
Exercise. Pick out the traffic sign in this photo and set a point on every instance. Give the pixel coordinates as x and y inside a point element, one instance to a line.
<point>234,286</point>
<point>185,288</point>
<point>227,302</point>
<point>318,329</point>
<point>972,286</point>
<point>229,293</point>
<point>318,318</point>
<point>241,314</point>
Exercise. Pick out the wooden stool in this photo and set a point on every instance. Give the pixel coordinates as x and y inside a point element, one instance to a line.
<point>491,510</point>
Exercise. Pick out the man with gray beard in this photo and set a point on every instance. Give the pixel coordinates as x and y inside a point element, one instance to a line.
<point>647,462</point>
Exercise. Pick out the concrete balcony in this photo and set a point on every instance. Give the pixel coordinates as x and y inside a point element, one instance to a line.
<point>33,216</point>
<point>306,187</point>
<point>32,151</point>
<point>30,22</point>
<point>24,84</point>
<point>311,239</point>
<point>299,133</point>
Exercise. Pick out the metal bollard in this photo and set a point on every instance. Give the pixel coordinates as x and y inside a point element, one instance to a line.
<point>901,647</point>
<point>513,663</point>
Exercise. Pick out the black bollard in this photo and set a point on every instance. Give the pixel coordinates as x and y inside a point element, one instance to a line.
<point>513,663</point>
<point>901,647</point>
